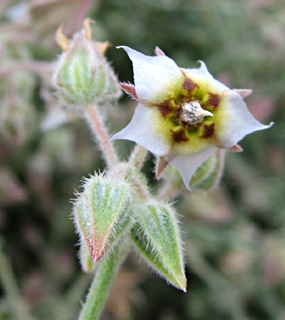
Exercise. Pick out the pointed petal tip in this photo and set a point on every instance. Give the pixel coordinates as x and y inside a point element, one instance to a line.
<point>121,135</point>
<point>187,186</point>
<point>126,48</point>
<point>115,136</point>
<point>201,62</point>
<point>203,65</point>
<point>186,182</point>
<point>265,126</point>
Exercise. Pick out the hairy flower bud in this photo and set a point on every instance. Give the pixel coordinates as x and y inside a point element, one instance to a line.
<point>83,76</point>
<point>101,215</point>
<point>156,235</point>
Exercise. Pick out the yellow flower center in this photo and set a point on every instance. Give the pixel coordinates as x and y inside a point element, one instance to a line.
<point>189,115</point>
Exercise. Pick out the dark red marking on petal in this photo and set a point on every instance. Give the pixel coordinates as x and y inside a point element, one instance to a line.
<point>214,100</point>
<point>189,85</point>
<point>130,89</point>
<point>208,131</point>
<point>178,112</point>
<point>179,136</point>
<point>166,107</point>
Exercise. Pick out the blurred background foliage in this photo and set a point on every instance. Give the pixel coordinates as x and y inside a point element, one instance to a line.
<point>234,236</point>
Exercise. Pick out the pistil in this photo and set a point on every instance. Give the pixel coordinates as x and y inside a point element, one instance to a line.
<point>192,113</point>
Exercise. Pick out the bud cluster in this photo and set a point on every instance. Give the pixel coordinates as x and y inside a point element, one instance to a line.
<point>114,206</point>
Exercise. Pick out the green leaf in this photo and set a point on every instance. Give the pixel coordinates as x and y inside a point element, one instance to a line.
<point>102,214</point>
<point>157,237</point>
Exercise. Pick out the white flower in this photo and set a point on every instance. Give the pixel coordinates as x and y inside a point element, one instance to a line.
<point>184,115</point>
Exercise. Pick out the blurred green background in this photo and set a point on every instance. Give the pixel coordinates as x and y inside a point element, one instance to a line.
<point>234,236</point>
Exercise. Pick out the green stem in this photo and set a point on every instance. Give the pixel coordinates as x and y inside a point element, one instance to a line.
<point>102,135</point>
<point>101,285</point>
<point>17,306</point>
<point>138,157</point>
<point>167,192</point>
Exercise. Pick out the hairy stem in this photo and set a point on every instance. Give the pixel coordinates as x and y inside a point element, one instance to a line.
<point>100,131</point>
<point>17,305</point>
<point>138,157</point>
<point>167,192</point>
<point>101,285</point>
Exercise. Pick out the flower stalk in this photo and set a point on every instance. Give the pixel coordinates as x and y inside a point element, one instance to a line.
<point>101,285</point>
<point>98,128</point>
<point>138,157</point>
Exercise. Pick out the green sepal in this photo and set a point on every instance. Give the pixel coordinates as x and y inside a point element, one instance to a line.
<point>80,80</point>
<point>102,214</point>
<point>209,173</point>
<point>207,176</point>
<point>157,237</point>
<point>87,264</point>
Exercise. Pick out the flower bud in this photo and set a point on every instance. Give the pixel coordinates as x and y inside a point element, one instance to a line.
<point>102,215</point>
<point>83,76</point>
<point>156,235</point>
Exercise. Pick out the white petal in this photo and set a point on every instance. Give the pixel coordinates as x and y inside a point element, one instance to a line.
<point>202,74</point>
<point>234,121</point>
<point>140,130</point>
<point>188,164</point>
<point>155,77</point>
<point>202,71</point>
